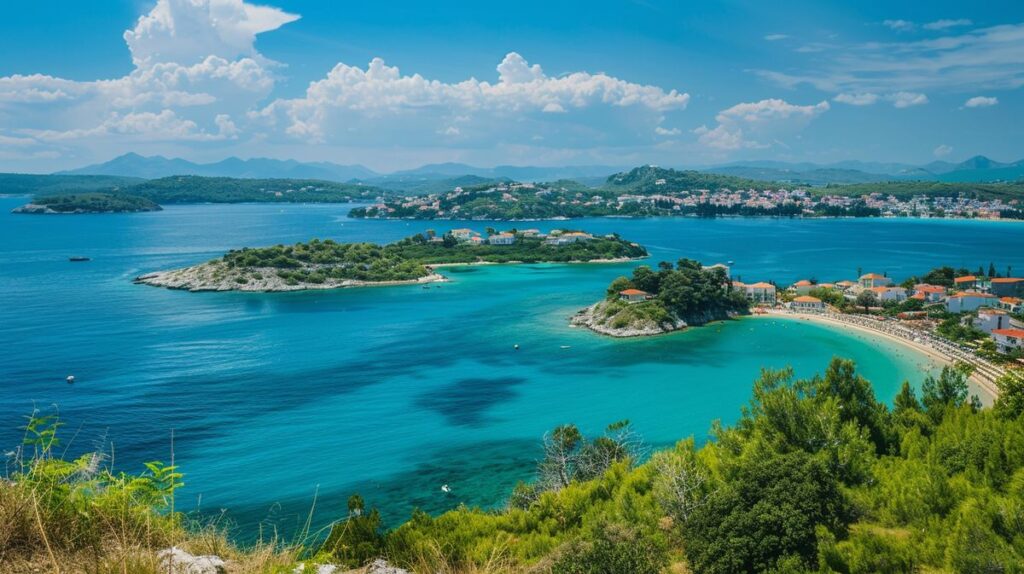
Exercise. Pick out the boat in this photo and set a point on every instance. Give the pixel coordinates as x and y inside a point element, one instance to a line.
<point>70,379</point>
<point>78,259</point>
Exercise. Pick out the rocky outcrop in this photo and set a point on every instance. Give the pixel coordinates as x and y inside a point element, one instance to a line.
<point>177,561</point>
<point>216,276</point>
<point>381,567</point>
<point>593,318</point>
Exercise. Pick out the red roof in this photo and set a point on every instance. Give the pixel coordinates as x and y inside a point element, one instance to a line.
<point>1010,300</point>
<point>1012,333</point>
<point>1007,280</point>
<point>807,299</point>
<point>965,279</point>
<point>632,292</point>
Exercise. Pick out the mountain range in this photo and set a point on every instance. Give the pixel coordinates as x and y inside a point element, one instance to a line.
<point>975,169</point>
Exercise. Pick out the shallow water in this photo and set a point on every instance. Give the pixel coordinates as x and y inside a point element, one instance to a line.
<point>393,392</point>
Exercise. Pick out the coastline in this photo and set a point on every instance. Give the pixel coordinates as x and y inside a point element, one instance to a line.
<point>188,279</point>
<point>986,388</point>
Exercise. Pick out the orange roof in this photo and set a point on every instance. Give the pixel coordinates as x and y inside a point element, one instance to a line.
<point>1010,300</point>
<point>844,282</point>
<point>965,279</point>
<point>972,294</point>
<point>1007,280</point>
<point>802,283</point>
<point>990,311</point>
<point>807,299</point>
<point>879,289</point>
<point>1015,333</point>
<point>828,285</point>
<point>873,276</point>
<point>632,292</point>
<point>738,284</point>
<point>923,288</point>
<point>762,285</point>
<point>918,296</point>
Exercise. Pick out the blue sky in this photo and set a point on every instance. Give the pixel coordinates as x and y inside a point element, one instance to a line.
<point>541,83</point>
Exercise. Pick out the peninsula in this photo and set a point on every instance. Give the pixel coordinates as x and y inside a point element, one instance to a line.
<point>90,202</point>
<point>326,264</point>
<point>671,298</point>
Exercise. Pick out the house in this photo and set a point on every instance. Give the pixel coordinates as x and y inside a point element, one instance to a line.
<point>803,287</point>
<point>870,280</point>
<point>966,282</point>
<point>633,295</point>
<point>757,293</point>
<point>1009,339</point>
<point>502,239</point>
<point>886,294</point>
<point>530,232</point>
<point>1007,287</point>
<point>1011,304</point>
<point>968,301</point>
<point>807,303</point>
<point>462,234</point>
<point>476,240</point>
<point>929,293</point>
<point>990,319</point>
<point>845,285</point>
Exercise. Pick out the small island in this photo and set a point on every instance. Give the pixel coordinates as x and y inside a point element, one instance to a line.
<point>670,298</point>
<point>90,202</point>
<point>326,264</point>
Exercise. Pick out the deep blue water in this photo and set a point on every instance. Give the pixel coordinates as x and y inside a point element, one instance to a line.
<point>393,392</point>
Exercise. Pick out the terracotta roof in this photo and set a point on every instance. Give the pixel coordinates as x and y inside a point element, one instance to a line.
<point>972,294</point>
<point>918,296</point>
<point>802,283</point>
<point>846,283</point>
<point>632,292</point>
<point>929,288</point>
<point>762,285</point>
<point>991,311</point>
<point>807,299</point>
<point>1007,280</point>
<point>965,279</point>
<point>1010,300</point>
<point>873,276</point>
<point>1015,333</point>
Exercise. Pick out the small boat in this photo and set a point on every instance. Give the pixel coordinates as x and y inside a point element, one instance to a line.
<point>446,489</point>
<point>566,347</point>
<point>78,259</point>
<point>70,379</point>
<point>516,346</point>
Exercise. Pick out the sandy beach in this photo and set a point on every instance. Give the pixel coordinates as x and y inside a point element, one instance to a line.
<point>984,388</point>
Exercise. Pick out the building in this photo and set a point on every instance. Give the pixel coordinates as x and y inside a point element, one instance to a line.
<point>462,234</point>
<point>966,282</point>
<point>990,319</point>
<point>1011,304</point>
<point>969,301</point>
<point>807,303</point>
<point>502,239</point>
<point>721,266</point>
<point>757,293</point>
<point>476,240</point>
<point>870,280</point>
<point>1008,340</point>
<point>1007,287</point>
<point>929,293</point>
<point>887,294</point>
<point>633,295</point>
<point>845,285</point>
<point>803,287</point>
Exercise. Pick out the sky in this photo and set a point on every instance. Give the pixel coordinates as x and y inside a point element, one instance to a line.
<point>394,85</point>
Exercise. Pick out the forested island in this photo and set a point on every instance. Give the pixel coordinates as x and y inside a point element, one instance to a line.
<point>326,264</point>
<point>88,202</point>
<point>671,298</point>
<point>818,475</point>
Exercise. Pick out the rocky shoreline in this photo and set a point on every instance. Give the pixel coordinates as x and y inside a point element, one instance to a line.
<point>589,319</point>
<point>216,276</point>
<point>38,209</point>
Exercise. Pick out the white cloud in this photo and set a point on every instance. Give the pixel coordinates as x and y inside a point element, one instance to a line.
<point>906,99</point>
<point>899,25</point>
<point>982,58</point>
<point>861,99</point>
<point>943,24</point>
<point>667,132</point>
<point>776,37</point>
<point>379,102</point>
<point>942,150</point>
<point>187,31</point>
<point>981,102</point>
<point>748,125</point>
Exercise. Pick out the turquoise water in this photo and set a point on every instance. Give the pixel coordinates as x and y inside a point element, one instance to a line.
<point>393,392</point>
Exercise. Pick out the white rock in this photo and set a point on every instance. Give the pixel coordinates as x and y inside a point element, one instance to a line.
<point>381,567</point>
<point>177,561</point>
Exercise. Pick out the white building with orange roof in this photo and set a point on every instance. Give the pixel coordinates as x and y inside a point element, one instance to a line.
<point>802,287</point>
<point>757,293</point>
<point>886,294</point>
<point>807,303</point>
<point>989,319</point>
<point>929,293</point>
<point>1008,340</point>
<point>1007,286</point>
<point>633,295</point>
<point>969,301</point>
<point>502,239</point>
<point>966,282</point>
<point>869,280</point>
<point>1011,304</point>
<point>462,234</point>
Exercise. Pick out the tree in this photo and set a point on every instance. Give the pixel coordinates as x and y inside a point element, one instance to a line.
<point>1010,403</point>
<point>867,299</point>
<point>618,285</point>
<point>615,549</point>
<point>906,400</point>
<point>950,388</point>
<point>992,270</point>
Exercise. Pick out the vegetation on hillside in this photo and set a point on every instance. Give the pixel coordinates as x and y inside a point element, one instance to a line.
<point>39,184</point>
<point>816,476</point>
<point>908,189</point>
<point>652,179</point>
<point>198,189</point>
<point>95,202</point>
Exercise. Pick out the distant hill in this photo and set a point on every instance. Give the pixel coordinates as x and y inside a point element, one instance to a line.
<point>511,172</point>
<point>153,167</point>
<point>651,179</point>
<point>977,169</point>
<point>817,176</point>
<point>30,183</point>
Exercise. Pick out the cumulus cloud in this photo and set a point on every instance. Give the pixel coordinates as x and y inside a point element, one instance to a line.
<point>750,125</point>
<point>898,25</point>
<point>981,102</point>
<point>378,102</point>
<point>942,150</point>
<point>667,131</point>
<point>861,99</point>
<point>943,24</point>
<point>906,99</point>
<point>955,60</point>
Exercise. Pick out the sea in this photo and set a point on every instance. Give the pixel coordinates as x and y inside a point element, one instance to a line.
<point>281,405</point>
